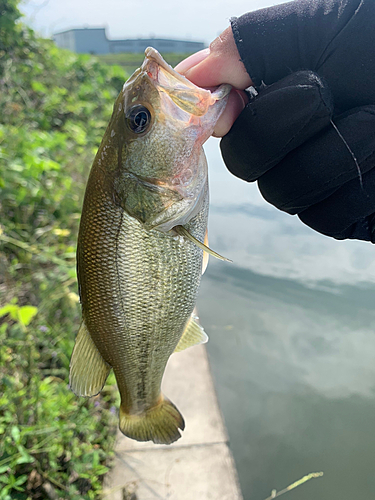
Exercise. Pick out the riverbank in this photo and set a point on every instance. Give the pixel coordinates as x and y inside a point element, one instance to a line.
<point>200,464</point>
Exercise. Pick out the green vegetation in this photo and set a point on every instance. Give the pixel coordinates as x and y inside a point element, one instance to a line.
<point>130,62</point>
<point>54,107</point>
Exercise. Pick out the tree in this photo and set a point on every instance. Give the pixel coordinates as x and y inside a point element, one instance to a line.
<point>10,31</point>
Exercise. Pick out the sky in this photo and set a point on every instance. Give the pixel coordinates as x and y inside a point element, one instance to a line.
<point>200,20</point>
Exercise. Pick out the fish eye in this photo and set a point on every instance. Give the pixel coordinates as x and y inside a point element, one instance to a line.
<point>138,118</point>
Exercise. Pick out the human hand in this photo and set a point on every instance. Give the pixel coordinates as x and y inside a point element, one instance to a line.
<point>220,63</point>
<point>306,160</point>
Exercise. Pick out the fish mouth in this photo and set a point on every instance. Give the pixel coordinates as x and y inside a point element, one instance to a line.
<point>188,96</point>
<point>154,61</point>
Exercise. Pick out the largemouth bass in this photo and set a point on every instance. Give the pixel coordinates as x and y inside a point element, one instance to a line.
<point>139,263</point>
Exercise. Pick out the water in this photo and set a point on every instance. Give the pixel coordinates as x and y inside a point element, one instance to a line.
<point>292,346</point>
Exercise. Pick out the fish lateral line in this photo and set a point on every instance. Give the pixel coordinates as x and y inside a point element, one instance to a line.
<point>181,231</point>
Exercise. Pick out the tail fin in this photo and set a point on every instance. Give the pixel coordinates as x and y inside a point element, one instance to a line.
<point>159,424</point>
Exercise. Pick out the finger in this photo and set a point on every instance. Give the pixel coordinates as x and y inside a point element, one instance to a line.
<point>222,65</point>
<point>192,60</point>
<point>278,120</point>
<point>349,212</point>
<point>319,168</point>
<point>236,103</point>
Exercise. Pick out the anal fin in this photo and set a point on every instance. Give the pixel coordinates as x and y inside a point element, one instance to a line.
<point>88,370</point>
<point>193,334</point>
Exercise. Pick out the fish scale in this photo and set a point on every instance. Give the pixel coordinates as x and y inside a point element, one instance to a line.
<point>168,279</point>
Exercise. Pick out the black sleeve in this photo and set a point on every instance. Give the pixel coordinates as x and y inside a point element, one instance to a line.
<point>308,138</point>
<point>334,38</point>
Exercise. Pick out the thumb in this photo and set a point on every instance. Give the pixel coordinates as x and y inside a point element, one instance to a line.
<point>218,64</point>
<point>221,63</point>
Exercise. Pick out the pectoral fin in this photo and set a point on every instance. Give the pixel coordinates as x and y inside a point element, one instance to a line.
<point>193,335</point>
<point>205,254</point>
<point>88,370</point>
<point>184,232</point>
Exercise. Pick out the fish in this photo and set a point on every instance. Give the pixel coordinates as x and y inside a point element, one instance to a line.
<point>141,242</point>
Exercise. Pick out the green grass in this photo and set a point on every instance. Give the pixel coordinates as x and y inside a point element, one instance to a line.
<point>54,108</point>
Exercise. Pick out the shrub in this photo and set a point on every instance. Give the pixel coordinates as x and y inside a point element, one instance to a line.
<point>54,107</point>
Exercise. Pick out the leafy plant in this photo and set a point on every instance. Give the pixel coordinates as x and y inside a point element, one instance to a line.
<point>54,107</point>
<point>48,435</point>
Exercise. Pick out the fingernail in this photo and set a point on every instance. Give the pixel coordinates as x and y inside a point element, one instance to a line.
<point>192,60</point>
<point>241,94</point>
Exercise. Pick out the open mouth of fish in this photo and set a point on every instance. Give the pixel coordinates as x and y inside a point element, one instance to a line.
<point>193,99</point>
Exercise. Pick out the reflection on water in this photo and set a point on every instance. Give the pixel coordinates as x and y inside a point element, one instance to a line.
<point>292,346</point>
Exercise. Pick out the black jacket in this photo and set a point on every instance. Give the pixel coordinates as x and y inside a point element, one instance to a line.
<point>308,138</point>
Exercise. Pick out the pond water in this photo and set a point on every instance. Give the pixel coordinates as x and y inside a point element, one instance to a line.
<point>292,346</point>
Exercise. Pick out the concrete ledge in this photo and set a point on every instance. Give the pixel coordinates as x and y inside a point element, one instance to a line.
<point>200,464</point>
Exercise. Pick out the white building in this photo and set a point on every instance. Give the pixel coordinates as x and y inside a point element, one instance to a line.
<point>95,41</point>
